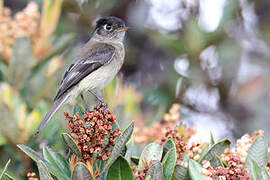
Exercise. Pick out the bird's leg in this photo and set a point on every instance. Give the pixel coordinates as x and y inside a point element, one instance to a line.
<point>86,109</point>
<point>100,100</point>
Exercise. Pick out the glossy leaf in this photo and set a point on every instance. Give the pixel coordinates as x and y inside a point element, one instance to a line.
<point>121,143</point>
<point>255,170</point>
<point>194,170</point>
<point>169,144</point>
<point>151,152</point>
<point>219,161</point>
<point>120,169</point>
<point>180,172</point>
<point>43,171</point>
<point>258,152</point>
<point>204,151</point>
<point>57,160</point>
<point>169,162</point>
<point>216,150</point>
<point>71,144</point>
<point>264,174</point>
<point>5,169</point>
<point>81,172</point>
<point>155,171</point>
<point>35,156</point>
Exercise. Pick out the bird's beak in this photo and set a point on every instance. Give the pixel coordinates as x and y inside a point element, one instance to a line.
<point>122,29</point>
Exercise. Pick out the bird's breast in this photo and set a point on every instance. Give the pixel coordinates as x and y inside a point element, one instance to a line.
<point>98,79</point>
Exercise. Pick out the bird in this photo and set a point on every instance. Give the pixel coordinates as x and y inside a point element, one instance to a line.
<point>100,60</point>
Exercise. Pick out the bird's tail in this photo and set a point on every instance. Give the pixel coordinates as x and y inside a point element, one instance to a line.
<point>56,105</point>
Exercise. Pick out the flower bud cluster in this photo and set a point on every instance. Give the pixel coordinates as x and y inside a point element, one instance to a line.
<point>158,130</point>
<point>195,150</point>
<point>24,23</point>
<point>173,115</point>
<point>178,140</point>
<point>94,133</point>
<point>141,174</point>
<point>208,170</point>
<point>234,171</point>
<point>32,176</point>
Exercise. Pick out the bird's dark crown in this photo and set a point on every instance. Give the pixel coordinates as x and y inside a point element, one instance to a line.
<point>114,22</point>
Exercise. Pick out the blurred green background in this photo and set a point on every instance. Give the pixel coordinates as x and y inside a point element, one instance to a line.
<point>211,57</point>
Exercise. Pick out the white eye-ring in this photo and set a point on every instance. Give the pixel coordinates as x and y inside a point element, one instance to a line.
<point>107,27</point>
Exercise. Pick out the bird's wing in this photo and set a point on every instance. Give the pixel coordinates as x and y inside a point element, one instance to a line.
<point>98,55</point>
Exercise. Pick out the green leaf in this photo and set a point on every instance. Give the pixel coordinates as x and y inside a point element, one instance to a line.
<point>169,162</point>
<point>56,159</point>
<point>43,171</point>
<point>180,172</point>
<point>204,151</point>
<point>11,177</point>
<point>151,152</point>
<point>255,170</point>
<point>77,109</point>
<point>5,169</point>
<point>120,169</point>
<point>21,63</point>
<point>81,172</point>
<point>258,152</point>
<point>212,141</point>
<point>34,156</point>
<point>71,144</point>
<point>216,150</point>
<point>168,145</point>
<point>264,174</point>
<point>121,143</point>
<point>185,158</point>
<point>219,161</point>
<point>194,170</point>
<point>155,171</point>
<point>135,160</point>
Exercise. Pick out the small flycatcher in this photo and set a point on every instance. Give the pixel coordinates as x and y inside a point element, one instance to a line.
<point>100,60</point>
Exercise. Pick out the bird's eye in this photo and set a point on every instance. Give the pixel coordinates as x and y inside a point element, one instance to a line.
<point>108,27</point>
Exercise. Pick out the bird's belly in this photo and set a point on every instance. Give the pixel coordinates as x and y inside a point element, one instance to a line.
<point>98,79</point>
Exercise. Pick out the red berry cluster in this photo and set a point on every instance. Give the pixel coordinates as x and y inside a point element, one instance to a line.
<point>32,176</point>
<point>141,174</point>
<point>94,133</point>
<point>234,170</point>
<point>178,140</point>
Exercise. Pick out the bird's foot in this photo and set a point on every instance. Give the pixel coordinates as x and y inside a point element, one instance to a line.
<point>103,105</point>
<point>88,111</point>
<point>101,102</point>
<point>86,107</point>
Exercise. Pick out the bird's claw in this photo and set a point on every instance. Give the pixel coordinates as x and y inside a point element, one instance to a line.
<point>102,104</point>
